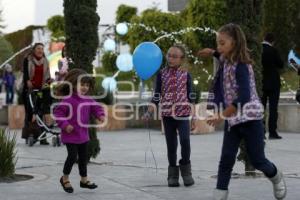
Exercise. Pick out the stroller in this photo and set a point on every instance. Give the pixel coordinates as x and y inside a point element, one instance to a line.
<point>38,130</point>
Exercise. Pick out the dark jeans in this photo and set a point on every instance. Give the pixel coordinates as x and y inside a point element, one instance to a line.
<point>252,132</point>
<point>273,97</point>
<point>171,127</point>
<point>9,94</point>
<point>73,151</point>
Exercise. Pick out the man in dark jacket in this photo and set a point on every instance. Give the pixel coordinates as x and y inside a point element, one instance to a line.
<point>272,63</point>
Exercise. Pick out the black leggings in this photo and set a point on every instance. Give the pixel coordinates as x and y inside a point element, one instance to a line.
<point>73,151</point>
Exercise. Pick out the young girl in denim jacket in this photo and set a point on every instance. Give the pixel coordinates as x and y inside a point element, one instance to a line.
<point>235,96</point>
<point>72,116</point>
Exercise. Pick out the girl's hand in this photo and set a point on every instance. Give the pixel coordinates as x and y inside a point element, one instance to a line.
<point>69,128</point>
<point>101,120</point>
<point>214,120</point>
<point>29,84</point>
<point>193,124</point>
<point>33,118</point>
<point>146,116</point>
<point>206,52</point>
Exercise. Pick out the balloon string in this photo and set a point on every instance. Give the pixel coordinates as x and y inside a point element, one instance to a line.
<point>149,133</point>
<point>116,74</point>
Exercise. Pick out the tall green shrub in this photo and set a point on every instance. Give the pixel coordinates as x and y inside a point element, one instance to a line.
<point>81,29</point>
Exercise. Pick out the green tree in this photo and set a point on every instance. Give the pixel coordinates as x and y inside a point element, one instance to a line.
<point>81,29</point>
<point>125,13</point>
<point>203,13</point>
<point>6,50</point>
<point>19,40</point>
<point>162,22</point>
<point>294,7</point>
<point>277,19</point>
<point>56,24</point>
<point>109,61</point>
<point>1,23</point>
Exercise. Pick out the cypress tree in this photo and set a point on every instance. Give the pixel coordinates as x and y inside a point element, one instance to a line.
<point>81,29</point>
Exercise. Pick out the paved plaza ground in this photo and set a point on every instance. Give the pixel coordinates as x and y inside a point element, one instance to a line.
<point>125,169</point>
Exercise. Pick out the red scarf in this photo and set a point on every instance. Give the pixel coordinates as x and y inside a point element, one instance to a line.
<point>37,80</point>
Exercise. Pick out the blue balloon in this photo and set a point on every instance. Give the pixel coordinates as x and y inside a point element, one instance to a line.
<point>147,58</point>
<point>109,84</point>
<point>292,55</point>
<point>122,28</point>
<point>109,45</point>
<point>124,62</point>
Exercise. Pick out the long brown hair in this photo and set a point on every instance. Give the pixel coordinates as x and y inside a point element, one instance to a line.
<point>72,77</point>
<point>240,52</point>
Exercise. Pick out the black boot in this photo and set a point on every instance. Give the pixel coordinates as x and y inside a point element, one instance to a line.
<point>274,135</point>
<point>173,176</point>
<point>186,173</point>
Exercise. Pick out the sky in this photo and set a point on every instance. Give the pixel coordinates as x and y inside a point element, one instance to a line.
<point>18,14</point>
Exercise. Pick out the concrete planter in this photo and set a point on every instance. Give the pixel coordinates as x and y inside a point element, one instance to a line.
<point>202,128</point>
<point>289,118</point>
<point>113,123</point>
<point>16,116</point>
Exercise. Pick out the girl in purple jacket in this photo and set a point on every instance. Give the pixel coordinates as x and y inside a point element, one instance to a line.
<point>73,116</point>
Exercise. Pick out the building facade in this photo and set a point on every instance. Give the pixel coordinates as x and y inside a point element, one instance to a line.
<point>177,5</point>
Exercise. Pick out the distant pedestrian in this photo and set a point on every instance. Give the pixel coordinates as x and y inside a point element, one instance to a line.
<point>271,63</point>
<point>9,82</point>
<point>63,64</point>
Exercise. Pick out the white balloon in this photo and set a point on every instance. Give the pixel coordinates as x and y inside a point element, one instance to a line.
<point>124,62</point>
<point>109,84</point>
<point>109,45</point>
<point>122,28</point>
